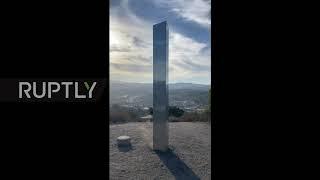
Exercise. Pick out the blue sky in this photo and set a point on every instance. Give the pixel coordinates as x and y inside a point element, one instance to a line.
<point>131,24</point>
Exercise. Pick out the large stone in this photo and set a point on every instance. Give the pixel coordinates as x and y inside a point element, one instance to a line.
<point>123,141</point>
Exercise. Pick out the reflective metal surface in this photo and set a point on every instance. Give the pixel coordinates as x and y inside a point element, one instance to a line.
<point>160,86</point>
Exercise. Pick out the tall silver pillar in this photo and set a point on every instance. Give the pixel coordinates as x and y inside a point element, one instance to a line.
<point>160,86</point>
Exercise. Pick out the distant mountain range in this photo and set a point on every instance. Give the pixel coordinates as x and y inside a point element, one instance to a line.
<point>141,93</point>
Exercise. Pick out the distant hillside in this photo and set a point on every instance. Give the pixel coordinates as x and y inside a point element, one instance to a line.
<point>147,87</point>
<point>141,93</point>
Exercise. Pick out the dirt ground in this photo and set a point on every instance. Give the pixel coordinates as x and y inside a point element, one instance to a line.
<point>189,156</point>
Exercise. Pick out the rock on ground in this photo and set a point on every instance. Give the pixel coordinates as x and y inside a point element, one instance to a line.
<point>189,156</point>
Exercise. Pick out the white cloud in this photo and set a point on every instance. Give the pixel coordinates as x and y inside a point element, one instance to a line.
<point>186,59</point>
<point>197,11</point>
<point>131,51</point>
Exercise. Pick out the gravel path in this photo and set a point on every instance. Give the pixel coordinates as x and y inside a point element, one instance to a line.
<point>189,157</point>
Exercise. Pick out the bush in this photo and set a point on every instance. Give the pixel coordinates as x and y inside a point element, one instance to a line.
<point>120,117</point>
<point>120,114</point>
<point>173,111</point>
<point>195,117</point>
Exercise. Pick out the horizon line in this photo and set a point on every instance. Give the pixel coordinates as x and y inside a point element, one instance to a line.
<point>152,82</point>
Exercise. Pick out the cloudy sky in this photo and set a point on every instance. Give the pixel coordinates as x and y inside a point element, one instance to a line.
<point>131,24</point>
